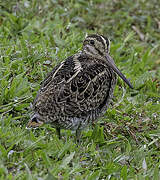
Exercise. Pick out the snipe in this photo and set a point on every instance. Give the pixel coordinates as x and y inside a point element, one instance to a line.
<point>78,90</point>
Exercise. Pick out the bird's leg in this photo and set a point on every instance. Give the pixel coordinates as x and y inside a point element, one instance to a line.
<point>93,124</point>
<point>58,130</point>
<point>78,135</point>
<point>34,122</point>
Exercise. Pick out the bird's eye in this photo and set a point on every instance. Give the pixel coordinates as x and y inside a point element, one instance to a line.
<point>92,42</point>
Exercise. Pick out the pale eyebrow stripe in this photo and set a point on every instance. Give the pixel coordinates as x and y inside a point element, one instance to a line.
<point>108,45</point>
<point>104,41</point>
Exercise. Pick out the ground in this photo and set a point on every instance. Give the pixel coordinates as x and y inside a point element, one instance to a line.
<point>37,35</point>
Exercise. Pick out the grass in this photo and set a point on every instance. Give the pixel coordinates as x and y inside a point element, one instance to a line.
<point>37,35</point>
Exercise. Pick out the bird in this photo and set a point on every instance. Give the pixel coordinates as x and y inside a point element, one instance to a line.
<point>78,91</point>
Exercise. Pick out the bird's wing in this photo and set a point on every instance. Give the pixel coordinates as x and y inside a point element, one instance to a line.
<point>72,90</point>
<point>92,87</point>
<point>54,85</point>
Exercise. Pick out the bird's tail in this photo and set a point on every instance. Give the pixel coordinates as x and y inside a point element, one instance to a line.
<point>34,122</point>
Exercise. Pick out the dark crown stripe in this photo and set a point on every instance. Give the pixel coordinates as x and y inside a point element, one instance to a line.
<point>107,41</point>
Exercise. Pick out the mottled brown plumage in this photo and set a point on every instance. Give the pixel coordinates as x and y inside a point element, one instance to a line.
<point>78,90</point>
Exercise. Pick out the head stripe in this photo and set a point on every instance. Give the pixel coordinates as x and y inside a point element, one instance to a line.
<point>98,38</point>
<point>107,42</point>
<point>104,40</point>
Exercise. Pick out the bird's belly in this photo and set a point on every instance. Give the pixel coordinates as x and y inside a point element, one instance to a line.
<point>83,120</point>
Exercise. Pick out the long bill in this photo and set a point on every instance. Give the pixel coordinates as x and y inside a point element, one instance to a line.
<point>111,64</point>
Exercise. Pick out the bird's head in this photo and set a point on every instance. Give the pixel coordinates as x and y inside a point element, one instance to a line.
<point>98,47</point>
